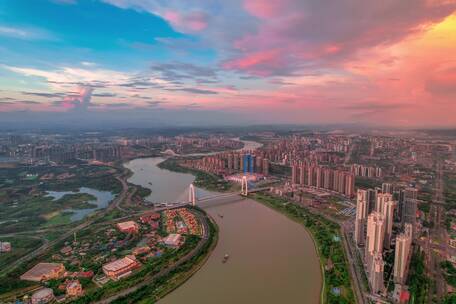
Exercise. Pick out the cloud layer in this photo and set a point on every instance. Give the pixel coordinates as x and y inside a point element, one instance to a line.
<point>299,61</point>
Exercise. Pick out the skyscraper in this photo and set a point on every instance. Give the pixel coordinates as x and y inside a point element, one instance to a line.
<point>371,200</point>
<point>374,237</point>
<point>382,198</point>
<point>302,174</point>
<point>361,216</point>
<point>401,257</point>
<point>409,208</point>
<point>408,230</point>
<point>376,274</point>
<point>387,188</point>
<point>411,193</point>
<point>388,215</point>
<point>349,184</point>
<point>310,176</point>
<point>318,177</point>
<point>265,166</point>
<point>294,174</point>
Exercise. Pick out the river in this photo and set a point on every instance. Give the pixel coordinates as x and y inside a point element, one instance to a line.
<point>272,259</point>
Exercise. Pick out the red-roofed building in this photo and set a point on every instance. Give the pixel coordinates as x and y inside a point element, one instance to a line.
<point>74,289</point>
<point>149,217</point>
<point>128,227</point>
<point>405,296</point>
<point>121,268</point>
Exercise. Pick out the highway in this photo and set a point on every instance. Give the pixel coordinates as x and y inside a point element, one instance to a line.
<point>438,235</point>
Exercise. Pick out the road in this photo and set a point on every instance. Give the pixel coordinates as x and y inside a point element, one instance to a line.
<point>437,236</point>
<point>204,239</point>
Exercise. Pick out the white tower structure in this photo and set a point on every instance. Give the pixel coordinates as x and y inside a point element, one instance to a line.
<point>192,195</point>
<point>244,186</point>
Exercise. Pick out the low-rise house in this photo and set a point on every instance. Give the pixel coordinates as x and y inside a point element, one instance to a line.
<point>173,240</point>
<point>128,227</point>
<point>149,217</point>
<point>44,272</point>
<point>141,250</point>
<point>5,247</point>
<point>121,268</point>
<point>42,296</point>
<point>74,289</point>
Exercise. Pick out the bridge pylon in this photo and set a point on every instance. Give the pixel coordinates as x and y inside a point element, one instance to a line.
<point>192,195</point>
<point>244,186</point>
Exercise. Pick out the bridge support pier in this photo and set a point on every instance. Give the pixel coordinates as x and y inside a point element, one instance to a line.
<point>244,186</point>
<point>192,195</point>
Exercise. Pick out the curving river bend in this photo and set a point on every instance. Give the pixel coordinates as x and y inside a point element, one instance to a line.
<point>272,259</point>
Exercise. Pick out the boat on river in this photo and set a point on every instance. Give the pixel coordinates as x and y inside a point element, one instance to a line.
<point>225,258</point>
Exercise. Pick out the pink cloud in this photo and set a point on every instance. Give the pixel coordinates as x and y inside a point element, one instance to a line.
<point>258,63</point>
<point>265,9</point>
<point>319,34</point>
<point>195,21</point>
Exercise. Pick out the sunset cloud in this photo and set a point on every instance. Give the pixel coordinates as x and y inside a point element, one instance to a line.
<point>297,61</point>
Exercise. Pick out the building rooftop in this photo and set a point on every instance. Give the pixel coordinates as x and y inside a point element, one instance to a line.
<point>120,263</point>
<point>127,225</point>
<point>43,293</point>
<point>40,270</point>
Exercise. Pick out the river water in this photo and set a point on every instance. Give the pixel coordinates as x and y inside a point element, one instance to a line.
<point>272,259</point>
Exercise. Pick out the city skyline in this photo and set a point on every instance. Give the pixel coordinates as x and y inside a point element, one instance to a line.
<point>133,63</point>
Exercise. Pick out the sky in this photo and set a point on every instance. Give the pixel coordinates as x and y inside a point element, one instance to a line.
<point>216,62</point>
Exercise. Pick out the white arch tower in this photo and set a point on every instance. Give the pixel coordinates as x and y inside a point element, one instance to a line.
<point>192,195</point>
<point>244,186</point>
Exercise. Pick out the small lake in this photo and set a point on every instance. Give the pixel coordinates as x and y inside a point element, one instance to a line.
<point>103,198</point>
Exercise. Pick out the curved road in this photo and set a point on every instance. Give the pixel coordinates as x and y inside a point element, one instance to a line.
<point>204,239</point>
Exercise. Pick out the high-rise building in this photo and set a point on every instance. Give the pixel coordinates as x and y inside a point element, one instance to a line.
<point>371,200</point>
<point>401,257</point>
<point>408,230</point>
<point>382,198</point>
<point>265,166</point>
<point>361,217</point>
<point>409,208</point>
<point>236,161</point>
<point>318,177</point>
<point>294,174</point>
<point>387,188</point>
<point>376,274</point>
<point>259,164</point>
<point>411,193</point>
<point>327,178</point>
<point>349,185</point>
<point>310,176</point>
<point>302,174</point>
<point>388,214</point>
<point>374,236</point>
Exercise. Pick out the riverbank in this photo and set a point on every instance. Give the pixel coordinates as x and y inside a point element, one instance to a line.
<point>326,236</point>
<point>158,284</point>
<point>202,179</point>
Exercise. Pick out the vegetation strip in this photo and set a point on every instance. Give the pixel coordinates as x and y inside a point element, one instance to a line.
<point>337,285</point>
